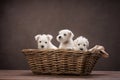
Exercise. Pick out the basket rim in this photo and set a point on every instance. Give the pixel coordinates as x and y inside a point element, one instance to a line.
<point>28,51</point>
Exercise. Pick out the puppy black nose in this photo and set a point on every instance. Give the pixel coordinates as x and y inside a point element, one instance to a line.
<point>59,37</point>
<point>81,49</point>
<point>42,46</point>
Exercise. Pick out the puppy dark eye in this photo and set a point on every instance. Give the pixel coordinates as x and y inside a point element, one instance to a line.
<point>84,45</point>
<point>45,42</point>
<point>78,44</point>
<point>40,41</point>
<point>65,34</point>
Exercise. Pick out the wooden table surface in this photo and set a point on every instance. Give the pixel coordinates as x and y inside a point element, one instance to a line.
<point>27,75</point>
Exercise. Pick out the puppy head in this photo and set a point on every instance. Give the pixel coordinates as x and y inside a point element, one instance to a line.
<point>64,35</point>
<point>43,40</point>
<point>81,43</point>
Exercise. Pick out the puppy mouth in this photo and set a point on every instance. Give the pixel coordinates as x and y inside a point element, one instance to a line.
<point>66,42</point>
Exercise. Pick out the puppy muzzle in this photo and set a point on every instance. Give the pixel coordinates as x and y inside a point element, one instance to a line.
<point>59,37</point>
<point>81,49</point>
<point>42,46</point>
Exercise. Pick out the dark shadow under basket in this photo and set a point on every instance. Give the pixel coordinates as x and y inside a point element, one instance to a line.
<point>61,61</point>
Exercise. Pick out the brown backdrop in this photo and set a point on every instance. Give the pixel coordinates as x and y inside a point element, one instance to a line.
<point>21,20</point>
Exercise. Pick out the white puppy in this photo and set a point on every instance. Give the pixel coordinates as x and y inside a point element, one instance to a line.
<point>81,43</point>
<point>65,38</point>
<point>44,41</point>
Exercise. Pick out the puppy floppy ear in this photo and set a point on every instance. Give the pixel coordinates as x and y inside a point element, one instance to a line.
<point>71,34</point>
<point>50,37</point>
<point>75,41</point>
<point>37,37</point>
<point>87,43</point>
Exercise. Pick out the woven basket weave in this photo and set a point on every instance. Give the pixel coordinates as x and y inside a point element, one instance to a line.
<point>61,61</point>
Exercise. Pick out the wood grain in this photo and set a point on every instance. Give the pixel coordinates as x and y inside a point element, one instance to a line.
<point>28,75</point>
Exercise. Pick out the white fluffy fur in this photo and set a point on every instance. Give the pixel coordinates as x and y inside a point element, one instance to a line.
<point>81,43</point>
<point>44,41</point>
<point>65,37</point>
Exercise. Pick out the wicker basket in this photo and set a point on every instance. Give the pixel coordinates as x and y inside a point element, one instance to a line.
<point>61,61</point>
